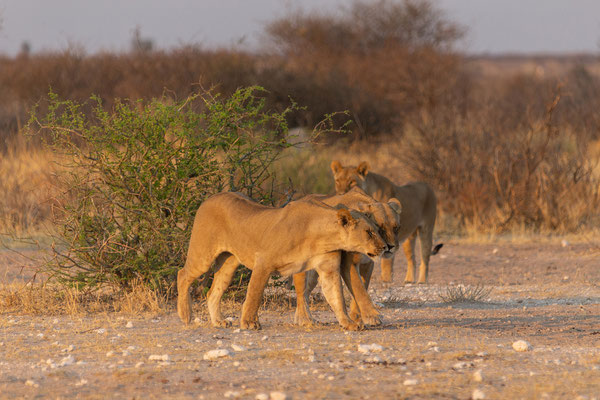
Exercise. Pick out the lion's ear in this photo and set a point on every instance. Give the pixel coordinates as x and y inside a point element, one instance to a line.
<point>336,166</point>
<point>395,205</point>
<point>363,168</point>
<point>344,217</point>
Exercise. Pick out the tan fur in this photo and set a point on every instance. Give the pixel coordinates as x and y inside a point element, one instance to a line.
<point>418,213</point>
<point>387,217</point>
<point>231,229</point>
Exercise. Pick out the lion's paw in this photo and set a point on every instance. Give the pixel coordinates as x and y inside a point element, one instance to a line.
<point>352,326</point>
<point>255,325</point>
<point>223,323</point>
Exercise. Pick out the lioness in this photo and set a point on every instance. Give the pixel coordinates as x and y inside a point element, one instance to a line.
<point>387,217</point>
<point>418,213</point>
<point>230,229</point>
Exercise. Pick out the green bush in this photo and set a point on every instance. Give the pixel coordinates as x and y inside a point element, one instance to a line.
<point>133,178</point>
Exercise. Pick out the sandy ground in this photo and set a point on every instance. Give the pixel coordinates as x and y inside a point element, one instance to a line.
<point>545,294</point>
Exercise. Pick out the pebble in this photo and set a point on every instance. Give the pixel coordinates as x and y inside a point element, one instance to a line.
<point>230,394</point>
<point>68,349</point>
<point>217,353</point>
<point>278,396</point>
<point>68,360</point>
<point>126,353</point>
<point>262,396</point>
<point>478,394</point>
<point>374,360</point>
<point>367,348</point>
<point>521,345</point>
<point>139,364</point>
<point>237,347</point>
<point>110,353</point>
<point>461,365</point>
<point>100,331</point>
<point>410,382</point>
<point>564,243</point>
<point>236,363</point>
<point>478,376</point>
<point>30,382</point>
<point>129,324</point>
<point>158,357</point>
<point>264,338</point>
<point>197,320</point>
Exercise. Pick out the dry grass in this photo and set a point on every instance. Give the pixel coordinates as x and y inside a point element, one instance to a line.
<point>465,294</point>
<point>26,174</point>
<point>49,299</point>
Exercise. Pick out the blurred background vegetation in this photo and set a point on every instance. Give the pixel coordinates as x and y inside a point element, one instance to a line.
<point>508,143</point>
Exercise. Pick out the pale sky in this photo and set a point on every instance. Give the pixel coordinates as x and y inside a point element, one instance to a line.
<point>494,26</point>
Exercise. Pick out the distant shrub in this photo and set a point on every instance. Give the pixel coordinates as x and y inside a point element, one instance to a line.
<point>134,177</point>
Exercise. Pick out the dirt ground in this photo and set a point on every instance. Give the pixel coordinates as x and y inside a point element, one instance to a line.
<point>544,293</point>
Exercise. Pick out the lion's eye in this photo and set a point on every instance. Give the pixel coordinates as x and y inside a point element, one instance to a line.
<point>396,229</point>
<point>370,233</point>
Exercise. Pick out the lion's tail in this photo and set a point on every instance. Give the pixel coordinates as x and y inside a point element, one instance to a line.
<point>436,248</point>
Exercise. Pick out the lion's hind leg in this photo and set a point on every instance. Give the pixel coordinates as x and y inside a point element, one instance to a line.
<point>194,267</point>
<point>409,252</point>
<point>227,264</point>
<point>304,283</point>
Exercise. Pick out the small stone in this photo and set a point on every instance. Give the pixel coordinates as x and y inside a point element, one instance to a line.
<point>262,396</point>
<point>237,347</point>
<point>495,250</point>
<point>564,243</point>
<point>219,343</point>
<point>110,353</point>
<point>139,364</point>
<point>521,345</point>
<point>482,354</point>
<point>230,394</point>
<point>374,360</point>
<point>125,353</point>
<point>431,344</point>
<point>264,338</point>
<point>30,382</point>
<point>40,335</point>
<point>478,376</point>
<point>68,360</point>
<point>55,321</point>
<point>100,331</point>
<point>159,357</point>
<point>410,382</point>
<point>238,330</point>
<point>278,396</point>
<point>330,378</point>
<point>368,348</point>
<point>217,353</point>
<point>197,320</point>
<point>131,348</point>
<point>460,365</point>
<point>68,349</point>
<point>82,382</point>
<point>435,349</point>
<point>236,363</point>
<point>311,358</point>
<point>129,324</point>
<point>478,394</point>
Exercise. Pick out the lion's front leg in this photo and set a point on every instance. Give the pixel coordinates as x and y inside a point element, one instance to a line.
<point>303,283</point>
<point>331,284</point>
<point>256,287</point>
<point>362,308</point>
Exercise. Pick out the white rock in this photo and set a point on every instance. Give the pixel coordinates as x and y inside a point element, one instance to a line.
<point>330,378</point>
<point>367,348</point>
<point>139,364</point>
<point>237,347</point>
<point>236,363</point>
<point>110,353</point>
<point>374,360</point>
<point>125,353</point>
<point>232,394</point>
<point>460,365</point>
<point>262,396</point>
<point>264,338</point>
<point>478,394</point>
<point>495,250</point>
<point>197,320</point>
<point>410,382</point>
<point>431,344</point>
<point>311,358</point>
<point>564,243</point>
<point>129,324</point>
<point>30,382</point>
<point>159,357</point>
<point>131,348</point>
<point>40,335</point>
<point>68,360</point>
<point>521,345</point>
<point>278,396</point>
<point>478,376</point>
<point>214,354</point>
<point>68,349</point>
<point>238,330</point>
<point>55,321</point>
<point>82,382</point>
<point>100,331</point>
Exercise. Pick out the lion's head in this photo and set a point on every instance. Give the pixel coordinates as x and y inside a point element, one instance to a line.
<point>361,233</point>
<point>387,218</point>
<point>348,177</point>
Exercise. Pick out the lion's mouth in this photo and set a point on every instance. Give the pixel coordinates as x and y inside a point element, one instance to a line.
<point>387,254</point>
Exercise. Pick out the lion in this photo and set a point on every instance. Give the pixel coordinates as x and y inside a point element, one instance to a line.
<point>231,229</point>
<point>418,214</point>
<point>387,217</point>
